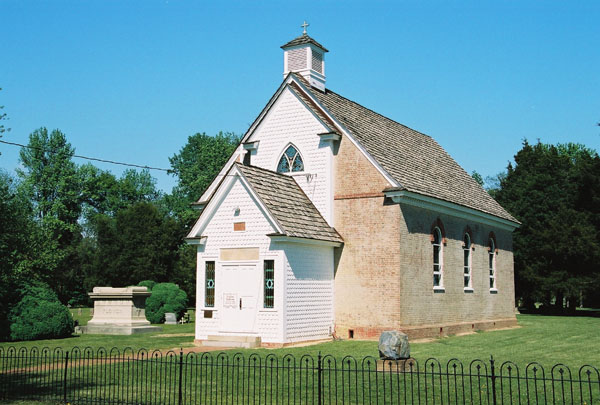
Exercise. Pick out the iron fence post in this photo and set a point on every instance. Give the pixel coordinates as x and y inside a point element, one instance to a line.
<point>180,376</point>
<point>493,371</point>
<point>320,379</point>
<point>65,377</point>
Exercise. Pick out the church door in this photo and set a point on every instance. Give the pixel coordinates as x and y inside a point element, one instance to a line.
<point>240,289</point>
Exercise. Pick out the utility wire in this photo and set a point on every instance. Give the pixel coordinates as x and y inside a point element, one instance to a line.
<point>87,157</point>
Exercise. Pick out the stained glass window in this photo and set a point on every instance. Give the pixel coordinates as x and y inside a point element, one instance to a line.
<point>290,161</point>
<point>269,276</point>
<point>209,284</point>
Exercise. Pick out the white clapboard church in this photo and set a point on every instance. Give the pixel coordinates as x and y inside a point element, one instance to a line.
<point>332,220</point>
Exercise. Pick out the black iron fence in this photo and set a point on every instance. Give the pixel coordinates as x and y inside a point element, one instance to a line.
<point>81,376</point>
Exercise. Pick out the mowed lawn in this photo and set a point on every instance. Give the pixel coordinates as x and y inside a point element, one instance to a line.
<point>572,340</point>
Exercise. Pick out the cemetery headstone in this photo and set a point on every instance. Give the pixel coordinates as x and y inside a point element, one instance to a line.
<point>170,318</point>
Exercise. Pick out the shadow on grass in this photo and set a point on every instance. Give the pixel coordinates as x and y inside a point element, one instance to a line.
<point>553,311</point>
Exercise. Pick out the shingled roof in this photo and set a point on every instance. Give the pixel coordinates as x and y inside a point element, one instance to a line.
<point>301,40</point>
<point>415,160</point>
<point>287,203</point>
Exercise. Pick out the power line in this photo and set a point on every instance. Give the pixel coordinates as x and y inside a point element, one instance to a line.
<point>87,157</point>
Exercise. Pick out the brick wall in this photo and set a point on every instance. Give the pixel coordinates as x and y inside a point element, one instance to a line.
<point>384,272</point>
<point>424,306</point>
<point>367,281</point>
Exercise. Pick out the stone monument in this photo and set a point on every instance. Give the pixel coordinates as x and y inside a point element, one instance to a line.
<point>119,311</point>
<point>170,318</point>
<point>394,353</point>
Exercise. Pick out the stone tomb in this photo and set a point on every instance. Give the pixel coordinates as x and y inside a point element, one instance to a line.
<point>119,311</point>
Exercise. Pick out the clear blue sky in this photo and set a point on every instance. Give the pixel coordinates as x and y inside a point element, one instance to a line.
<point>131,80</point>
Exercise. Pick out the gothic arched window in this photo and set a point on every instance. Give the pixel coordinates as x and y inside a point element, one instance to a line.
<point>290,161</point>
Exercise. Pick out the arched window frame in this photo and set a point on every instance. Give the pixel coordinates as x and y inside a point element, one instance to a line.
<point>437,242</point>
<point>283,153</point>
<point>467,262</point>
<point>492,255</point>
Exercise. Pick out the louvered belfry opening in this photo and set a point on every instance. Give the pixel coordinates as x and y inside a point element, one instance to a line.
<point>297,59</point>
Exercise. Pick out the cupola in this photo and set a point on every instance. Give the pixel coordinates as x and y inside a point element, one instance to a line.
<point>305,56</point>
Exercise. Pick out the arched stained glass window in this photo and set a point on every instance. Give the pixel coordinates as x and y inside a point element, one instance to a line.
<point>290,161</point>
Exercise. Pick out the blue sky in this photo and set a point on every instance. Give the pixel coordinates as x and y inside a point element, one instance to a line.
<point>131,80</point>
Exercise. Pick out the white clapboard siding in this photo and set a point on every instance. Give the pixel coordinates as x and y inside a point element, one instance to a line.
<point>290,121</point>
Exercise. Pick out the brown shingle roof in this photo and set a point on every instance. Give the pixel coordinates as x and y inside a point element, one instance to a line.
<point>291,208</point>
<point>301,40</point>
<point>413,159</point>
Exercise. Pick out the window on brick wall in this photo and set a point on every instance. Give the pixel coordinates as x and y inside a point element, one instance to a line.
<point>290,161</point>
<point>209,284</point>
<point>269,277</point>
<point>438,271</point>
<point>492,263</point>
<point>467,262</point>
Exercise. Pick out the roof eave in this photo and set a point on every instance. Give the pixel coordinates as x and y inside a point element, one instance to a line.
<point>279,237</point>
<point>446,207</point>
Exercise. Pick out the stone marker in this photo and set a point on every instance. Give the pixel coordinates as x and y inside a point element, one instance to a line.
<point>170,318</point>
<point>393,345</point>
<point>119,311</point>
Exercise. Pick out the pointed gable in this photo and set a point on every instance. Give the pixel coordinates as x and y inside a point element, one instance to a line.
<point>291,208</point>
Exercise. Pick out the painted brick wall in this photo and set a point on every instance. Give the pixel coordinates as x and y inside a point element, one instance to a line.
<point>384,273</point>
<point>367,280</point>
<point>422,305</point>
<point>290,121</point>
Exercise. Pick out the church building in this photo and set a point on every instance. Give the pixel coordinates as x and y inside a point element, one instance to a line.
<point>330,220</point>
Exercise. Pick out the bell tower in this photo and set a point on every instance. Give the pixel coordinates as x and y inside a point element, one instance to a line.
<point>305,56</point>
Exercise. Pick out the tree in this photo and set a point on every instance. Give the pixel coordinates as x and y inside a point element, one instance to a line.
<point>556,248</point>
<point>196,165</point>
<point>3,117</point>
<point>139,243</point>
<point>15,247</point>
<point>477,177</point>
<point>50,180</point>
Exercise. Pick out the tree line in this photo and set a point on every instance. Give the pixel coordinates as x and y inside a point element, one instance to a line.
<point>554,191</point>
<point>73,227</point>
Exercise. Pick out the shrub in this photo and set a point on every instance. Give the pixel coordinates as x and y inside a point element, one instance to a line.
<point>166,297</point>
<point>39,315</point>
<point>147,283</point>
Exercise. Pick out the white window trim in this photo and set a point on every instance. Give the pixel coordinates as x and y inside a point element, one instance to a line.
<point>440,286</point>
<point>282,153</point>
<point>492,269</point>
<point>469,247</point>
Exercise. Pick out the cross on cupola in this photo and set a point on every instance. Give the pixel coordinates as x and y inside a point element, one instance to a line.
<point>305,56</point>
<point>304,27</point>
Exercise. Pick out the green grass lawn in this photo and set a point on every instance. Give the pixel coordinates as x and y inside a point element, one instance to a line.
<point>547,339</point>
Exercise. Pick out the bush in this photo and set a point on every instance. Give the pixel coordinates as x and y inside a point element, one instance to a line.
<point>147,283</point>
<point>166,297</point>
<point>39,315</point>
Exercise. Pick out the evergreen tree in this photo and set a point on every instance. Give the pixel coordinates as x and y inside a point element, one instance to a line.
<point>549,190</point>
